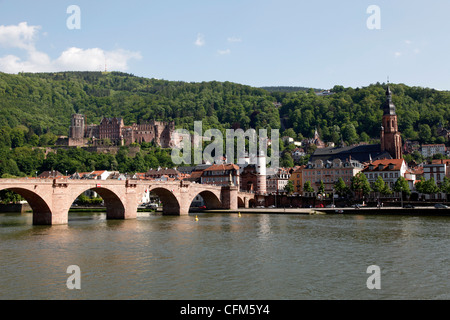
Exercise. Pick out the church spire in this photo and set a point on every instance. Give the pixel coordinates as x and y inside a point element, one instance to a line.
<point>390,136</point>
<point>388,106</point>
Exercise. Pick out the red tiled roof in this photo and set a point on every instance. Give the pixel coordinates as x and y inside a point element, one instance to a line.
<point>221,167</point>
<point>385,162</point>
<point>446,161</point>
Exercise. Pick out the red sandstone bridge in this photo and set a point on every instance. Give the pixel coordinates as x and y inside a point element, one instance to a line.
<point>51,199</point>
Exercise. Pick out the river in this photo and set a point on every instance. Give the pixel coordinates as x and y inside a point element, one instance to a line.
<point>226,257</point>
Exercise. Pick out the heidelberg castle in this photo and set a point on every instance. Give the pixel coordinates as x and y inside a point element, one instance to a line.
<point>114,131</point>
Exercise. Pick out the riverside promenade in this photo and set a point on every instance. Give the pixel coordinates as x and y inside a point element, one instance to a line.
<point>418,211</point>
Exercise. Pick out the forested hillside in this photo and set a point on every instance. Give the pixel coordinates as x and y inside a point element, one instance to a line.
<point>36,108</point>
<point>44,102</point>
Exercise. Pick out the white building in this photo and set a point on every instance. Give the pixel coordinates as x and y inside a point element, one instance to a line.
<point>390,170</point>
<point>436,169</point>
<point>428,150</point>
<point>278,181</point>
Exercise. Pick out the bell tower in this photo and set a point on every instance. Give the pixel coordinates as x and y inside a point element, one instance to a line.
<point>391,140</point>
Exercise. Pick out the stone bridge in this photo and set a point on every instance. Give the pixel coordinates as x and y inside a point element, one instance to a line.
<point>51,199</point>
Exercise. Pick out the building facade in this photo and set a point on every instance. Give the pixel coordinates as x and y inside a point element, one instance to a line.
<point>329,172</point>
<point>429,150</point>
<point>437,169</point>
<point>389,169</point>
<point>221,175</point>
<point>114,130</point>
<point>297,179</point>
<point>277,182</point>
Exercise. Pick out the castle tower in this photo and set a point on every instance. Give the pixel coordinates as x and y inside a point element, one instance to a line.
<point>76,130</point>
<point>391,140</point>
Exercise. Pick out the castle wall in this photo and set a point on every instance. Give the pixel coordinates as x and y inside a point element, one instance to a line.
<point>114,130</point>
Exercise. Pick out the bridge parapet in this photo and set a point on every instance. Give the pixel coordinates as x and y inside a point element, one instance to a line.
<point>51,199</point>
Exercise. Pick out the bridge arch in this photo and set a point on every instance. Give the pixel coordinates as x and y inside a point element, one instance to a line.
<point>42,214</point>
<point>171,206</point>
<point>212,201</point>
<point>241,202</point>
<point>115,208</point>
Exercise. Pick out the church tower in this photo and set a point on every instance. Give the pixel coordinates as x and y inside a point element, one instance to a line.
<point>391,140</point>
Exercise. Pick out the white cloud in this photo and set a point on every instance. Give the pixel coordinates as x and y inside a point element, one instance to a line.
<point>397,54</point>
<point>223,52</point>
<point>23,37</point>
<point>200,41</point>
<point>95,59</point>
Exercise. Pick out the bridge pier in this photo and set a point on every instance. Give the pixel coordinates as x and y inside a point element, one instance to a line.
<point>230,197</point>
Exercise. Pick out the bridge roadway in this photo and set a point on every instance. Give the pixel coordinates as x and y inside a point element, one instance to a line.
<point>51,199</point>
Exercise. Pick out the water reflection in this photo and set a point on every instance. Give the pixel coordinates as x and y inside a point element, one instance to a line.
<point>225,257</point>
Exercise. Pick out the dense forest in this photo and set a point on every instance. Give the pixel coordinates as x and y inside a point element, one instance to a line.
<point>36,108</point>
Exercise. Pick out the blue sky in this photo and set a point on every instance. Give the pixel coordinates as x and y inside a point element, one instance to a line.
<point>255,42</point>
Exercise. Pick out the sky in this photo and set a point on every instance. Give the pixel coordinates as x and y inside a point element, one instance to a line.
<point>316,44</point>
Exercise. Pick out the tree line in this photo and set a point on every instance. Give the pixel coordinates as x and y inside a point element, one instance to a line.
<point>44,102</point>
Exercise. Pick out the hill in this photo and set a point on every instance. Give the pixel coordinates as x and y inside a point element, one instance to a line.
<point>44,102</point>
<point>289,89</point>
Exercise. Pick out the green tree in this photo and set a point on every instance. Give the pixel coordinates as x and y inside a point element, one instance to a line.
<point>307,187</point>
<point>402,186</point>
<point>290,133</point>
<point>360,184</point>
<point>321,189</point>
<point>429,186</point>
<point>8,196</point>
<point>445,186</point>
<point>340,187</point>
<point>378,185</point>
<point>286,160</point>
<point>349,133</point>
<point>425,133</point>
<point>289,188</point>
<point>386,190</point>
<point>17,137</point>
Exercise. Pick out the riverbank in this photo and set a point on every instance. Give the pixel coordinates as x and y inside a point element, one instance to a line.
<point>102,209</point>
<point>421,211</point>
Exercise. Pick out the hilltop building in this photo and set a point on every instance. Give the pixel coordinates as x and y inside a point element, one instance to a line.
<point>114,130</point>
<point>429,150</point>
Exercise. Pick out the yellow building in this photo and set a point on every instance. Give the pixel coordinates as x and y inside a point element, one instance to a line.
<point>297,179</point>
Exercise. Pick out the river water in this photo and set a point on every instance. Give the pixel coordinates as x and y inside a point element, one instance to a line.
<point>226,257</point>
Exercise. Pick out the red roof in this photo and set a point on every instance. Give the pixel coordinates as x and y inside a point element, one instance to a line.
<point>397,164</point>
<point>222,167</point>
<point>446,161</point>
